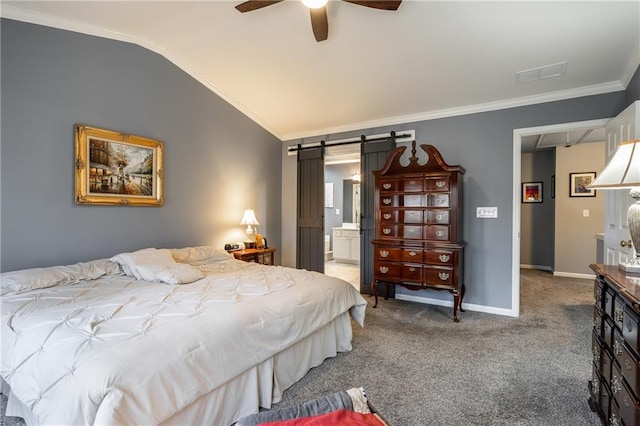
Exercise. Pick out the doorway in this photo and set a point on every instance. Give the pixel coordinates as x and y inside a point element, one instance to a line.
<point>519,137</point>
<point>342,213</point>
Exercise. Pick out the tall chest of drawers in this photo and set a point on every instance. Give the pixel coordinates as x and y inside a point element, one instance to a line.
<point>418,224</point>
<point>615,381</point>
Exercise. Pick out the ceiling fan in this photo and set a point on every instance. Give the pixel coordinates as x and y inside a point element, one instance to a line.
<point>318,10</point>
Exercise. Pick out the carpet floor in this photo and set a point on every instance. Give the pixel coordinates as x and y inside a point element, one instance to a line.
<point>418,367</point>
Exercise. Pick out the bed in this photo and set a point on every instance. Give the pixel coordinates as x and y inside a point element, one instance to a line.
<point>182,336</point>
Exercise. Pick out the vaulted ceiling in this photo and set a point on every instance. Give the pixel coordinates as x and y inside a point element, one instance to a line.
<point>426,60</point>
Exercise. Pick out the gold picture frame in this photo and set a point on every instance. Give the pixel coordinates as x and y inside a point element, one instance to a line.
<point>113,168</point>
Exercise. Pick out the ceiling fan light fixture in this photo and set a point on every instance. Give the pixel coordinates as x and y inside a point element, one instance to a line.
<point>314,4</point>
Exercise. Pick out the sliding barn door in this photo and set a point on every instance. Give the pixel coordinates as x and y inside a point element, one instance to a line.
<point>310,226</point>
<point>373,157</point>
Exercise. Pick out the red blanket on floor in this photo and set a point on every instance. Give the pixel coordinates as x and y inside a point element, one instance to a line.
<point>338,417</point>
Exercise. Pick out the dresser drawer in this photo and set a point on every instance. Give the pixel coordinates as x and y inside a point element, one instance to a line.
<point>437,184</point>
<point>411,185</point>
<point>437,200</point>
<point>388,200</point>
<point>601,392</point>
<point>389,185</point>
<point>388,215</point>
<point>597,321</point>
<point>618,312</point>
<point>598,289</point>
<point>389,230</point>
<point>410,200</point>
<point>411,255</point>
<point>627,404</point>
<point>439,276</point>
<point>411,273</point>
<point>438,217</point>
<point>387,253</point>
<point>630,329</point>
<point>601,357</point>
<point>608,302</point>
<point>607,331</point>
<point>629,367</point>
<point>387,271</point>
<point>437,257</point>
<point>437,232</point>
<point>411,216</point>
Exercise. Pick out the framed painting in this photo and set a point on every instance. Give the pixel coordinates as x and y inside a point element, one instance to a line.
<point>578,183</point>
<point>532,192</point>
<point>114,168</point>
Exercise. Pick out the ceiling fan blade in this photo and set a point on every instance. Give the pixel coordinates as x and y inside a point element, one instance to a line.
<point>250,5</point>
<point>320,23</point>
<point>383,5</point>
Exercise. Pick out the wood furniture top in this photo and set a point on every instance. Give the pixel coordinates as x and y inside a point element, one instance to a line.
<point>261,255</point>
<point>627,284</point>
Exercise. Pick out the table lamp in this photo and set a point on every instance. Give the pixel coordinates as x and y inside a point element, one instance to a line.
<point>249,219</point>
<point>623,171</point>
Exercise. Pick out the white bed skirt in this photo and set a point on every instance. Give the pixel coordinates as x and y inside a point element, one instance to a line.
<point>257,387</point>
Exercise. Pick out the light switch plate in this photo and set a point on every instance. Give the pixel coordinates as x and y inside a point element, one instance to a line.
<point>487,212</point>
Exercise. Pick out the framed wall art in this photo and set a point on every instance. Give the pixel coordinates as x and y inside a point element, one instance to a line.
<point>578,184</point>
<point>532,192</point>
<point>114,168</point>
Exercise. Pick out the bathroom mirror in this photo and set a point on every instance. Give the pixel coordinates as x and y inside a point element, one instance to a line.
<point>350,201</point>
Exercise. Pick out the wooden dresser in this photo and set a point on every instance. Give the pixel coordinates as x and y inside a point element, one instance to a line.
<point>615,382</point>
<point>418,224</point>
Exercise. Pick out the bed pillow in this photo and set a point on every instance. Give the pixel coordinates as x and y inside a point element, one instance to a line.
<point>181,273</point>
<point>144,264</point>
<point>200,255</point>
<point>36,278</point>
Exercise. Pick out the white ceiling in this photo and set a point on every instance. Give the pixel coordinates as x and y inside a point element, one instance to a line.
<point>425,60</point>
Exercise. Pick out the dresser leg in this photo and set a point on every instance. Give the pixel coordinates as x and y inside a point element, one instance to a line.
<point>462,297</point>
<point>374,289</point>
<point>456,301</point>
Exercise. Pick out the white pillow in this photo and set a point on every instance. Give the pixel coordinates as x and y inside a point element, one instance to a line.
<point>35,278</point>
<point>200,255</point>
<point>144,264</point>
<point>181,273</point>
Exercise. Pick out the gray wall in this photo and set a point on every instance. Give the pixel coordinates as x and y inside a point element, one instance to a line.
<point>537,219</point>
<point>483,144</point>
<point>218,162</point>
<point>633,89</point>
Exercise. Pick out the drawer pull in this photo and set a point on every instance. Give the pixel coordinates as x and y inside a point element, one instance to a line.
<point>618,314</point>
<point>441,183</point>
<point>386,185</point>
<point>440,217</point>
<point>628,365</point>
<point>386,231</point>
<point>596,386</point>
<point>613,421</point>
<point>384,253</point>
<point>626,401</point>
<point>596,355</point>
<point>384,269</point>
<point>629,325</point>
<point>440,233</point>
<point>615,385</point>
<point>444,257</point>
<point>617,348</point>
<point>412,253</point>
<point>443,276</point>
<point>386,200</point>
<point>412,269</point>
<point>412,182</point>
<point>387,216</point>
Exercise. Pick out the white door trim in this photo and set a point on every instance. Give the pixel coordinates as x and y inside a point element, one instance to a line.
<point>517,147</point>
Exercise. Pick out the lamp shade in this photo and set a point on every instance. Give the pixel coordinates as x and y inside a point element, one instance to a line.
<point>623,170</point>
<point>249,218</point>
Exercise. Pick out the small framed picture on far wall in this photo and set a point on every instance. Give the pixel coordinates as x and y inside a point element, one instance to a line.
<point>532,192</point>
<point>578,183</point>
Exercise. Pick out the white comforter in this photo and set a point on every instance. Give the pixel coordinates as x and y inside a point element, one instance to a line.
<point>120,351</point>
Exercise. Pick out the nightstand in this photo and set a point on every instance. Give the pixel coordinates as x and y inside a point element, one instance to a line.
<point>264,256</point>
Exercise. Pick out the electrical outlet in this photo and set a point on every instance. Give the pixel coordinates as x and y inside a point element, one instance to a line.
<point>337,211</point>
<point>585,213</point>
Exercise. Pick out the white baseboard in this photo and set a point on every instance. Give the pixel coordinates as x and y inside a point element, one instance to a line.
<point>449,303</point>
<point>574,275</point>
<point>538,267</point>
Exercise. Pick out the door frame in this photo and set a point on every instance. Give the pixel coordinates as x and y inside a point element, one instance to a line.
<point>517,170</point>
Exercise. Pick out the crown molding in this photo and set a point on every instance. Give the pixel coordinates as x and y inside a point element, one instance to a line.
<point>597,89</point>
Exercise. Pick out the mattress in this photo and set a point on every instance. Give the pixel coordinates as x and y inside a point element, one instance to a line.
<point>120,350</point>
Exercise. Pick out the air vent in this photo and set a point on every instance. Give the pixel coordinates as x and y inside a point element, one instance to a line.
<point>541,73</point>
